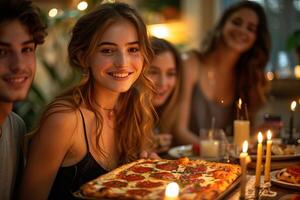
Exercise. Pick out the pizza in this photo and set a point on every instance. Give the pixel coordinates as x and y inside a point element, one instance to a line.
<point>290,174</point>
<point>148,178</point>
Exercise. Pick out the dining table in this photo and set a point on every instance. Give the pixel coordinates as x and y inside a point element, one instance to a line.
<point>282,193</point>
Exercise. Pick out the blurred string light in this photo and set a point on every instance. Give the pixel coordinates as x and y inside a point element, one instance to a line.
<point>270,76</point>
<point>53,12</point>
<point>174,32</point>
<point>297,71</point>
<point>82,5</point>
<point>159,30</point>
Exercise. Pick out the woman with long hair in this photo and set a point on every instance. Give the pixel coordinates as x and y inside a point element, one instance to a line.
<point>229,66</point>
<point>166,73</point>
<point>104,121</point>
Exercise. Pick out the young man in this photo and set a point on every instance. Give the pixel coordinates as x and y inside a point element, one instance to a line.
<point>21,30</point>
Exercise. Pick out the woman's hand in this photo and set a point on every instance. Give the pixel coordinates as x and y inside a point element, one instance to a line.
<point>151,155</point>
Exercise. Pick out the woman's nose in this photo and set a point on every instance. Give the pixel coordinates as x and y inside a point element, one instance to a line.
<point>121,59</point>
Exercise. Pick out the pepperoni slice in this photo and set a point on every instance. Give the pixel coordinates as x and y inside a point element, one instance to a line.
<point>294,170</point>
<point>133,177</point>
<point>148,184</point>
<point>167,166</point>
<point>194,188</point>
<point>220,174</point>
<point>191,178</point>
<point>163,176</point>
<point>138,192</point>
<point>141,169</point>
<point>115,184</point>
<point>197,169</point>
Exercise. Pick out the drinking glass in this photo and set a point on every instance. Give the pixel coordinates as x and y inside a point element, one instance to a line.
<point>213,144</point>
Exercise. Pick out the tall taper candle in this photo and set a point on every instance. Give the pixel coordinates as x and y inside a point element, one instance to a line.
<point>243,162</point>
<point>268,157</point>
<point>293,107</point>
<point>258,160</point>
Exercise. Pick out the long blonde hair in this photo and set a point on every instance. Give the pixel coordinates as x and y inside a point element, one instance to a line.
<point>168,112</point>
<point>134,111</point>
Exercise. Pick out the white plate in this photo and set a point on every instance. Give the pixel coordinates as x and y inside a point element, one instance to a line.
<point>282,183</point>
<point>181,151</point>
<point>282,157</point>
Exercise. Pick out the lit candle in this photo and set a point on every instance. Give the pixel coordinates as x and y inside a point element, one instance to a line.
<point>297,71</point>
<point>241,126</point>
<point>268,157</point>
<point>209,148</point>
<point>293,108</point>
<point>172,191</point>
<point>244,159</point>
<point>258,160</point>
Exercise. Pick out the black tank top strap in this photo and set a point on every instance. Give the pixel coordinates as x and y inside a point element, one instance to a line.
<point>84,129</point>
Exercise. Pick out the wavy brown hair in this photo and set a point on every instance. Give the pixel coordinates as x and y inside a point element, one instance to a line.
<point>169,110</point>
<point>28,14</point>
<point>134,111</point>
<point>251,81</point>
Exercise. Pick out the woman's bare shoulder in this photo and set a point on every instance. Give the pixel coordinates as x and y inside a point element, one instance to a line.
<point>60,117</point>
<point>192,60</point>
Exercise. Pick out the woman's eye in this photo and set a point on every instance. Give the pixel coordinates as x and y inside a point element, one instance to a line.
<point>252,29</point>
<point>134,49</point>
<point>153,72</point>
<point>237,22</point>
<point>171,74</point>
<point>106,50</point>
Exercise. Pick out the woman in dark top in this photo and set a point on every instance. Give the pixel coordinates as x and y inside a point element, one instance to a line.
<point>229,66</point>
<point>104,121</point>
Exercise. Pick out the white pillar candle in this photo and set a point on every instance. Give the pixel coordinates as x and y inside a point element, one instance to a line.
<point>241,129</point>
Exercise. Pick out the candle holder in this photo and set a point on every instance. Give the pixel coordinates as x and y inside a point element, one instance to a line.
<point>257,192</point>
<point>250,195</point>
<point>266,190</point>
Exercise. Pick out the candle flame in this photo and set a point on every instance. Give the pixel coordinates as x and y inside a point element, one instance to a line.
<point>240,103</point>
<point>260,137</point>
<point>245,146</point>
<point>293,105</point>
<point>269,135</point>
<point>172,190</point>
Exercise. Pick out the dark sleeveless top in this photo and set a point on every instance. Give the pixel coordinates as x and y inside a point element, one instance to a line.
<point>202,111</point>
<point>69,179</point>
